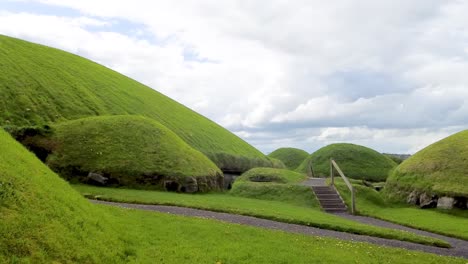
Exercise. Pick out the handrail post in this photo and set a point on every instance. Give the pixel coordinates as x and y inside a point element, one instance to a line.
<point>350,186</point>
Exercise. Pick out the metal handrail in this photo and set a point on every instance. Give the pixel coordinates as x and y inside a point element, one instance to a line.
<point>350,186</point>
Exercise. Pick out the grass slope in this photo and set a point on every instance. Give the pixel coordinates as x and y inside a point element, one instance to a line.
<point>274,210</point>
<point>44,221</point>
<point>291,157</point>
<point>357,162</point>
<point>131,151</point>
<point>372,203</point>
<point>40,85</point>
<point>274,185</point>
<point>441,168</point>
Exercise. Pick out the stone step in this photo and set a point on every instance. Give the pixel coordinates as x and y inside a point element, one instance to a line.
<point>331,203</point>
<point>329,199</point>
<point>327,196</point>
<point>335,210</point>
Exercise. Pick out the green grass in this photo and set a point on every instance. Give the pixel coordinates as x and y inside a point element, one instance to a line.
<point>271,175</point>
<point>291,157</point>
<point>357,162</point>
<point>440,168</point>
<point>132,150</point>
<point>372,203</point>
<point>274,185</point>
<point>43,220</point>
<point>41,85</point>
<point>273,210</point>
<point>152,238</point>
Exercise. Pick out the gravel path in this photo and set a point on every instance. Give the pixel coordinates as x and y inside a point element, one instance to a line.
<point>460,247</point>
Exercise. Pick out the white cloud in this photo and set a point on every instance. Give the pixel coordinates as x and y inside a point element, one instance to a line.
<point>266,71</point>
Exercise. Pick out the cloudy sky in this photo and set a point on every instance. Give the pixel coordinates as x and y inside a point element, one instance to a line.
<point>391,75</point>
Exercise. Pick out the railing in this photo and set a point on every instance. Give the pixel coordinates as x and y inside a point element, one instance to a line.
<point>333,165</point>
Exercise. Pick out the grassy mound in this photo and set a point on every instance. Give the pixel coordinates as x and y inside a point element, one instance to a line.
<point>271,175</point>
<point>291,157</point>
<point>42,218</point>
<point>274,185</point>
<point>130,151</point>
<point>440,168</point>
<point>355,161</point>
<point>41,85</point>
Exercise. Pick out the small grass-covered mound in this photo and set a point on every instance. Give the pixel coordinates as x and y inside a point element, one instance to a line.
<point>441,168</point>
<point>271,175</point>
<point>291,157</point>
<point>357,162</point>
<point>130,151</point>
<point>41,85</point>
<point>274,185</point>
<point>43,219</point>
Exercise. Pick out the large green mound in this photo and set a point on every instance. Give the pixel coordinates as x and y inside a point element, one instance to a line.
<point>130,151</point>
<point>291,157</point>
<point>43,219</point>
<point>440,168</point>
<point>41,85</point>
<point>357,162</point>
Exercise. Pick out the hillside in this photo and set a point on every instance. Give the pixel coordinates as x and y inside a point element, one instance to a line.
<point>440,168</point>
<point>291,157</point>
<point>357,162</point>
<point>41,85</point>
<point>42,218</point>
<point>130,151</point>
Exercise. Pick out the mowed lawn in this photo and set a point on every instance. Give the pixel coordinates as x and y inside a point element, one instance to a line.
<point>372,203</point>
<point>163,238</point>
<point>260,208</point>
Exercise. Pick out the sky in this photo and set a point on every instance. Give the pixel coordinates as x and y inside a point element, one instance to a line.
<point>391,75</point>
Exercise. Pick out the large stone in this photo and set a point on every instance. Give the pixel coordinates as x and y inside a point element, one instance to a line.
<point>190,185</point>
<point>413,198</point>
<point>445,202</point>
<point>96,179</point>
<point>427,201</point>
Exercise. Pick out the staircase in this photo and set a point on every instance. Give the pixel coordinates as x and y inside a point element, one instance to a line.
<point>329,199</point>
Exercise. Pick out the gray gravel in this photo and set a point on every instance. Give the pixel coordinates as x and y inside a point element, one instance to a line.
<point>459,247</point>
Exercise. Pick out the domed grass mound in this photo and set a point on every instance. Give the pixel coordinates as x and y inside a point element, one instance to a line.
<point>441,168</point>
<point>275,185</point>
<point>130,151</point>
<point>357,162</point>
<point>41,85</point>
<point>291,157</point>
<point>43,220</point>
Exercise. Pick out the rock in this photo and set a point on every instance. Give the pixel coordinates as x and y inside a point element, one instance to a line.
<point>190,185</point>
<point>413,198</point>
<point>427,201</point>
<point>96,179</point>
<point>445,202</point>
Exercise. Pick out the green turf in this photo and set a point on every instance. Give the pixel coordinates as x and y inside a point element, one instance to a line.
<point>274,210</point>
<point>43,220</point>
<point>275,185</point>
<point>41,85</point>
<point>130,150</point>
<point>372,203</point>
<point>291,157</point>
<point>440,168</point>
<point>271,175</point>
<point>357,162</point>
